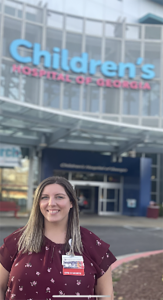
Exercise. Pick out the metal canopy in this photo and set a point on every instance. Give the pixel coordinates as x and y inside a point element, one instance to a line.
<point>33,126</point>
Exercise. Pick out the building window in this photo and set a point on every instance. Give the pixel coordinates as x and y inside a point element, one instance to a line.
<point>14,184</point>
<point>51,96</point>
<point>131,102</point>
<point>9,82</point>
<point>151,100</point>
<point>11,31</point>
<point>111,98</point>
<point>91,95</point>
<point>71,96</point>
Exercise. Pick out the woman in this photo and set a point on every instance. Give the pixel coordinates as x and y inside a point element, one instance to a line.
<point>34,259</point>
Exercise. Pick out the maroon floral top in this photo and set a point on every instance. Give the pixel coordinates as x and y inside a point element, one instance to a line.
<point>38,276</point>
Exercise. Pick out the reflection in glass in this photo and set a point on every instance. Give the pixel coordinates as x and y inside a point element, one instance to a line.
<point>154,173</point>
<point>113,178</point>
<point>14,184</point>
<point>153,197</point>
<point>150,121</point>
<point>153,33</point>
<point>153,186</point>
<point>51,93</point>
<point>71,96</point>
<point>33,33</point>
<point>152,55</point>
<point>93,47</point>
<point>130,102</point>
<point>13,9</point>
<point>130,120</point>
<point>113,50</point>
<point>93,28</point>
<point>132,53</point>
<point>73,44</point>
<point>9,86</point>
<point>153,156</point>
<point>11,31</point>
<point>74,24</point>
<point>54,20</point>
<point>87,176</point>
<point>133,32</point>
<point>60,173</point>
<point>113,205</point>
<point>151,100</point>
<point>91,99</point>
<point>30,89</point>
<point>34,14</point>
<point>53,39</point>
<point>111,99</point>
<point>113,30</point>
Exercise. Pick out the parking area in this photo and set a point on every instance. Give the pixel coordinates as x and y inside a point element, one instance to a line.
<point>123,240</point>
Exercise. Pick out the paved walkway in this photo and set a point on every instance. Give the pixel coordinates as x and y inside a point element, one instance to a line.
<point>119,221</point>
<point>94,220</point>
<point>91,220</point>
<point>130,257</point>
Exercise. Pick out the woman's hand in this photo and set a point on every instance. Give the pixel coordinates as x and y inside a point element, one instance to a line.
<point>4,276</point>
<point>105,286</point>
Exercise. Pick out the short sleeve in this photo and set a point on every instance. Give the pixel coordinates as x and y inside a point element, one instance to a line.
<point>8,250</point>
<point>98,251</point>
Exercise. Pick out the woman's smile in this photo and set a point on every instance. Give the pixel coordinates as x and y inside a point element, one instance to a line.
<point>55,203</point>
<point>52,211</point>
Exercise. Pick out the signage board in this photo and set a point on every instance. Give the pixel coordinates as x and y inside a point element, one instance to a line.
<point>10,155</point>
<point>85,68</point>
<point>131,203</point>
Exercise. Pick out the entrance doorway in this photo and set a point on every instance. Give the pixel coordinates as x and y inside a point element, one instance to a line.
<point>88,194</point>
<point>104,198</point>
<point>110,200</point>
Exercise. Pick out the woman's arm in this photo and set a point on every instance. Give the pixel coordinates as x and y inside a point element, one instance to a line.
<point>105,286</point>
<point>4,276</point>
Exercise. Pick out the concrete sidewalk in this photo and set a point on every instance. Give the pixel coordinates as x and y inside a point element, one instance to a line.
<point>92,220</point>
<point>131,257</point>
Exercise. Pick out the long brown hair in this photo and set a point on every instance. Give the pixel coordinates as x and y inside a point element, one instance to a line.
<point>32,234</point>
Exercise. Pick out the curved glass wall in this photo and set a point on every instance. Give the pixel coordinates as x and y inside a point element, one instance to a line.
<point>103,41</point>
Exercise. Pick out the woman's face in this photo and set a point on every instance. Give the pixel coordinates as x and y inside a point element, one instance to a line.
<point>55,204</point>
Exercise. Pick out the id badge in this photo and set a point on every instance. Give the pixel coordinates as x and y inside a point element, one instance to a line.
<point>73,265</point>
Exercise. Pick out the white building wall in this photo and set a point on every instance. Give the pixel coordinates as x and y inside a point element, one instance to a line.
<point>111,10</point>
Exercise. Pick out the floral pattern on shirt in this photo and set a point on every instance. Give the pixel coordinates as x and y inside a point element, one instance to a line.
<point>34,276</point>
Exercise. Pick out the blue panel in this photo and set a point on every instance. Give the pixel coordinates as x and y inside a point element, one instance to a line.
<point>145,184</point>
<point>151,19</point>
<point>131,190</point>
<point>54,159</point>
<point>137,179</point>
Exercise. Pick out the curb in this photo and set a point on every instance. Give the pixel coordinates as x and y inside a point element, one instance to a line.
<point>132,257</point>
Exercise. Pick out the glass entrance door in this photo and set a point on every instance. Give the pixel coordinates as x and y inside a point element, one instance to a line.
<point>110,200</point>
<point>86,193</point>
<point>102,197</point>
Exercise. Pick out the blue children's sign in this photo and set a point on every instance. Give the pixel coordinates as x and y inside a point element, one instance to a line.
<point>59,60</point>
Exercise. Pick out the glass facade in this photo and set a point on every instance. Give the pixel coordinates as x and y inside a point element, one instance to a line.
<point>14,184</point>
<point>103,41</point>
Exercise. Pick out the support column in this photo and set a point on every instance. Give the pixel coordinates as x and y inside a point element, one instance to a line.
<point>39,166</point>
<point>30,178</point>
